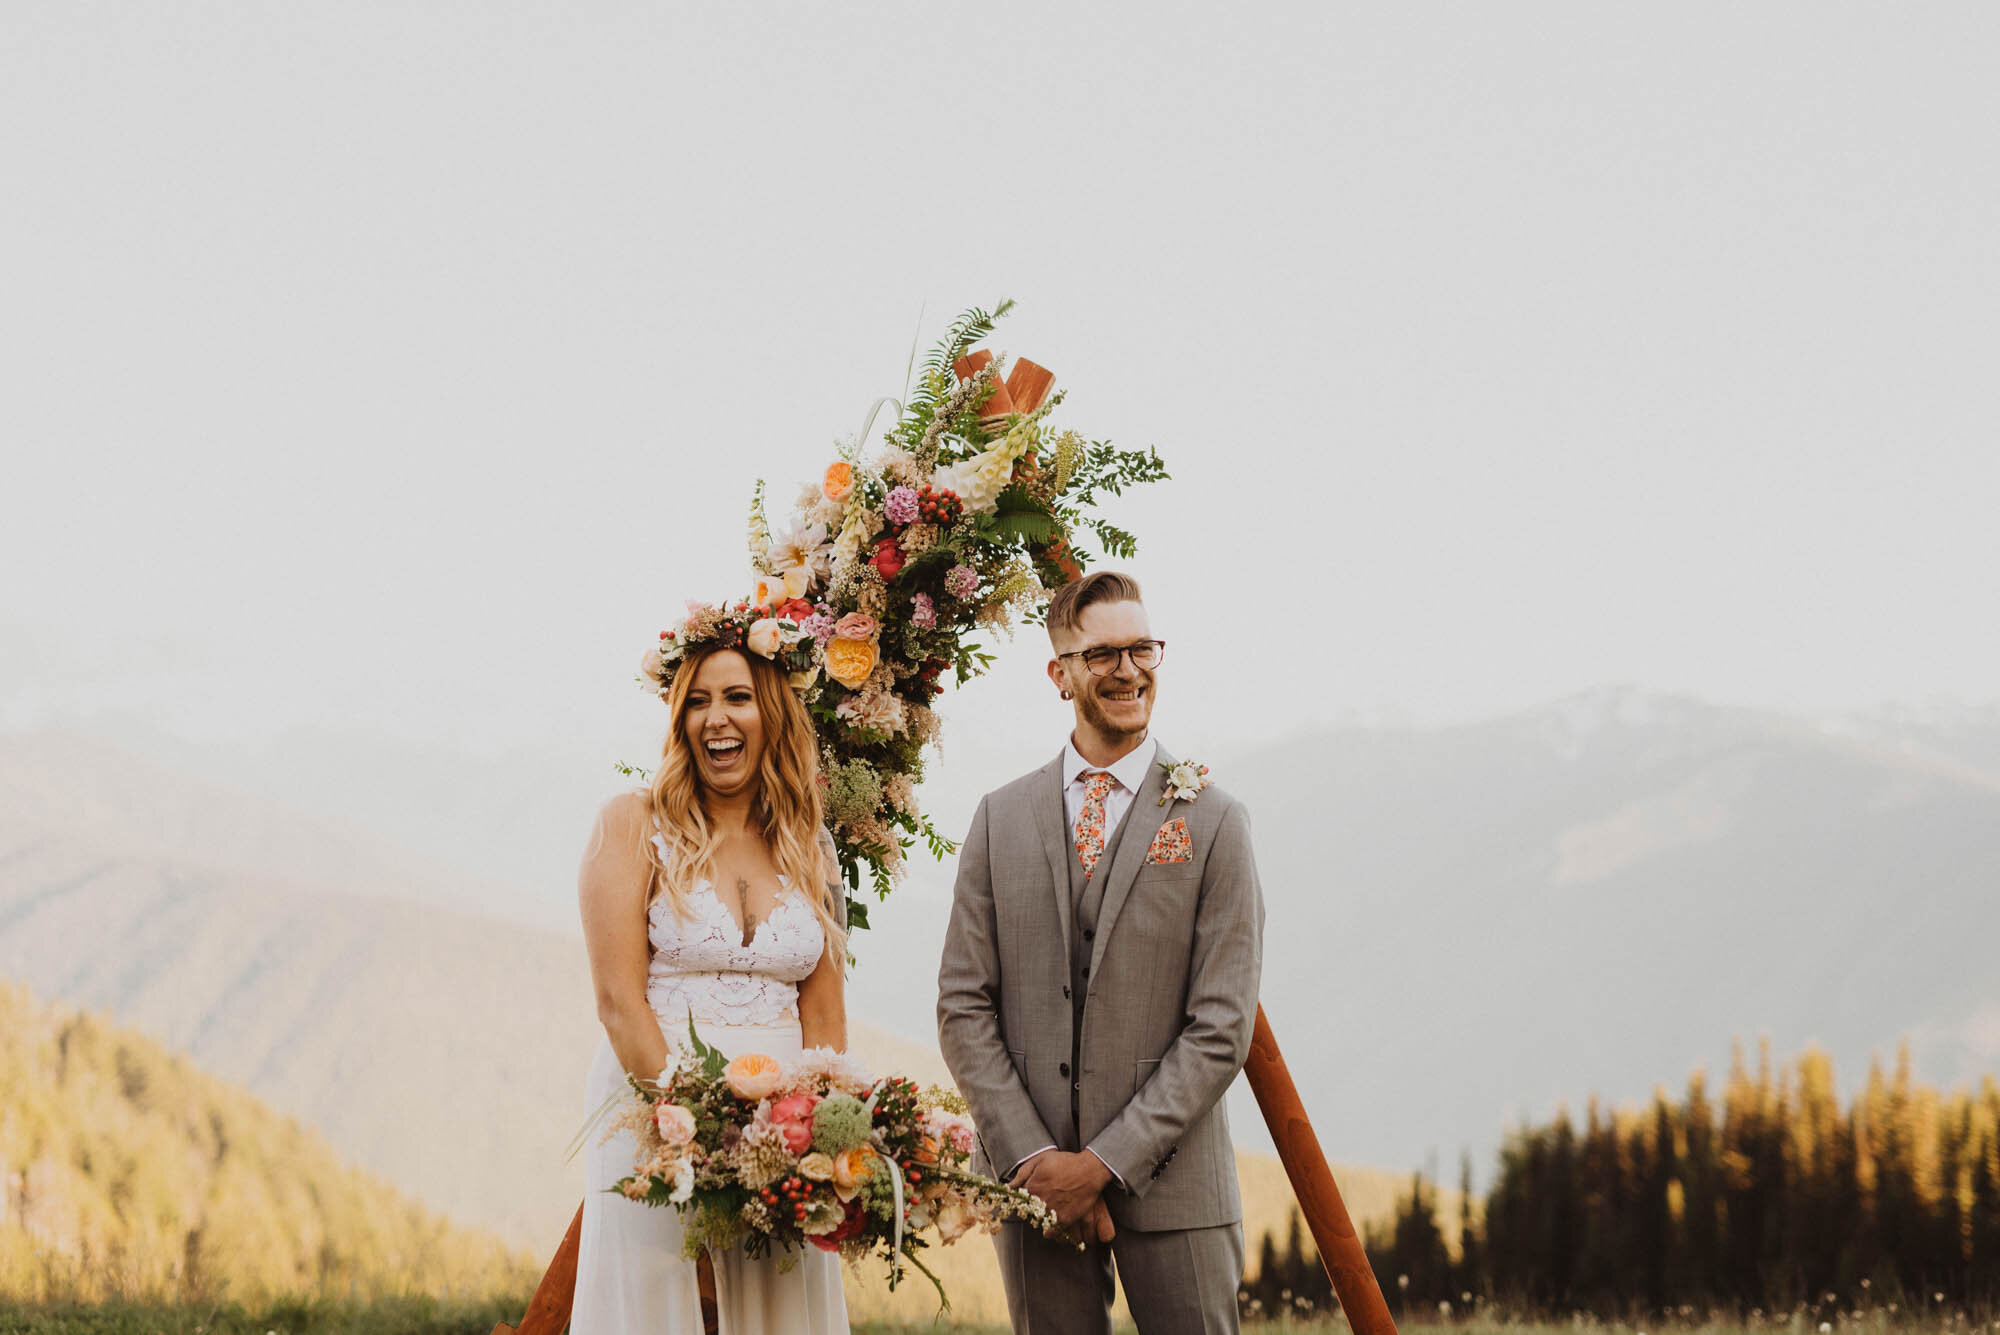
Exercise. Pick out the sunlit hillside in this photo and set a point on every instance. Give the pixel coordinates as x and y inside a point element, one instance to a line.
<point>127,1172</point>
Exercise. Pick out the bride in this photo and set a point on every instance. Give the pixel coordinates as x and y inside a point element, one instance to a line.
<point>714,895</point>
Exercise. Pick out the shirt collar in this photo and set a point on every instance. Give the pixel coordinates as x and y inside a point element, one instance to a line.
<point>1129,770</point>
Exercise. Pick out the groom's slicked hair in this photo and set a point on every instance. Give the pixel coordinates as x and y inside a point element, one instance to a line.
<point>1104,586</point>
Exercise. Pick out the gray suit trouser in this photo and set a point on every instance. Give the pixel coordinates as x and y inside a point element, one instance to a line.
<point>1180,1282</point>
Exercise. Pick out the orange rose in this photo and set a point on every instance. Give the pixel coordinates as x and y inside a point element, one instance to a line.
<point>850,661</point>
<point>839,480</point>
<point>851,1167</point>
<point>752,1076</point>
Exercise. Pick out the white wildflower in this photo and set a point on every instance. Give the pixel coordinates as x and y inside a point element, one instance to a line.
<point>872,711</point>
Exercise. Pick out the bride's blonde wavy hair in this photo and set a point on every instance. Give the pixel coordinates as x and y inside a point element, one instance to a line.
<point>789,811</point>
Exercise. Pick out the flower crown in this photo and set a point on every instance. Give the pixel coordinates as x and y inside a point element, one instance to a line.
<point>738,625</point>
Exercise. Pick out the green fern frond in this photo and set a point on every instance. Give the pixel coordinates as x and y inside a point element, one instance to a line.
<point>1029,525</point>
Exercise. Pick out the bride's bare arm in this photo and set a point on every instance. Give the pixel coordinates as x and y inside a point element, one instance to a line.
<point>823,995</point>
<point>823,1003</point>
<point>612,888</point>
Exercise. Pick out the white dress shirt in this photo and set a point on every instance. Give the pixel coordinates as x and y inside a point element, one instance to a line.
<point>1127,773</point>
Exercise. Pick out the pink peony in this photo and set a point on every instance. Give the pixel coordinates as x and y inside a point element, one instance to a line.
<point>793,1116</point>
<point>856,626</point>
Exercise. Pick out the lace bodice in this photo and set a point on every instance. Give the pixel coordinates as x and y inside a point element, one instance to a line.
<point>700,963</point>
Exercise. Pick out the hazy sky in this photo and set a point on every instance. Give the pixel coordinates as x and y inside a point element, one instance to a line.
<point>406,365</point>
<point>400,368</point>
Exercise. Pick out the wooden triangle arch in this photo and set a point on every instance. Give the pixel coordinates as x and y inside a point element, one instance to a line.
<point>1326,1215</point>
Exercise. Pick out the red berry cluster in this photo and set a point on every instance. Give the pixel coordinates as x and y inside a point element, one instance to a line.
<point>938,507</point>
<point>792,1191</point>
<point>896,1101</point>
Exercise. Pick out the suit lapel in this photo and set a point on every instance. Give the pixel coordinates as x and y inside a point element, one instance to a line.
<point>1144,819</point>
<point>1053,826</point>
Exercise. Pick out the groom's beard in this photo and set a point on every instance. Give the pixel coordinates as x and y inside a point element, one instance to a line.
<point>1101,722</point>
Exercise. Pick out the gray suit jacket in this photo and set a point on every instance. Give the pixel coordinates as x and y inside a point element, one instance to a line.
<point>1171,1004</point>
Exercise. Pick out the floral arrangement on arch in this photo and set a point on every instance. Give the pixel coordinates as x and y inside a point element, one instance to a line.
<point>891,564</point>
<point>772,1158</point>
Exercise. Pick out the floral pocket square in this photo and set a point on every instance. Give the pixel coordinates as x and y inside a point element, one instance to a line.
<point>1172,843</point>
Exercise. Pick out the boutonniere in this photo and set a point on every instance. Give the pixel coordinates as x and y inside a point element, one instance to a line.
<point>1185,780</point>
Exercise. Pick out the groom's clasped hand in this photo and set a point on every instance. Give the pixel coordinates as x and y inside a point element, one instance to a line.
<point>1098,991</point>
<point>1073,1185</point>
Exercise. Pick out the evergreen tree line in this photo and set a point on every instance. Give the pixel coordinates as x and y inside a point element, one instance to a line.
<point>1770,1197</point>
<point>1292,1281</point>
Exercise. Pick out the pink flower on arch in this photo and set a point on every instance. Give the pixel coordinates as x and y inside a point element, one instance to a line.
<point>900,505</point>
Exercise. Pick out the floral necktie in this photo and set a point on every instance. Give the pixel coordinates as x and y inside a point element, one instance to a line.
<point>1090,820</point>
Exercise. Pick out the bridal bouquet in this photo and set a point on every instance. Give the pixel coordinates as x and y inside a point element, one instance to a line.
<point>759,1155</point>
<point>895,558</point>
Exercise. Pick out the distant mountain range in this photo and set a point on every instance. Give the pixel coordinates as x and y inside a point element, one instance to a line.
<point>1468,925</point>
<point>1475,923</point>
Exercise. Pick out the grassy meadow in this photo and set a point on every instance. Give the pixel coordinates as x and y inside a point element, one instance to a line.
<point>426,1316</point>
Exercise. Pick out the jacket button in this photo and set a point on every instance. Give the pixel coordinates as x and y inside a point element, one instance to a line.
<point>1086,971</point>
<point>1090,933</point>
<point>1064,1068</point>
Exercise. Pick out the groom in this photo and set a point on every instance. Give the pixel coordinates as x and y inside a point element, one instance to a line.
<point>1097,994</point>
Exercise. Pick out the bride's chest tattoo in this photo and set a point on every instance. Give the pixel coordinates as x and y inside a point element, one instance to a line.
<point>743,912</point>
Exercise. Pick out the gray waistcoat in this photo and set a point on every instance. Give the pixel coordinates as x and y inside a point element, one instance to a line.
<point>1086,897</point>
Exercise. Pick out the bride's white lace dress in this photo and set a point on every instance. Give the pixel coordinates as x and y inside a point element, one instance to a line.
<point>631,1277</point>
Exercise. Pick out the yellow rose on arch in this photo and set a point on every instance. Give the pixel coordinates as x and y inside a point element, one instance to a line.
<point>850,661</point>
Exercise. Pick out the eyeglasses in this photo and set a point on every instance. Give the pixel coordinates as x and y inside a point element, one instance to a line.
<point>1103,660</point>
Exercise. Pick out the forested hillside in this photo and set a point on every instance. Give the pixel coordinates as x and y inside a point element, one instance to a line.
<point>125,1171</point>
